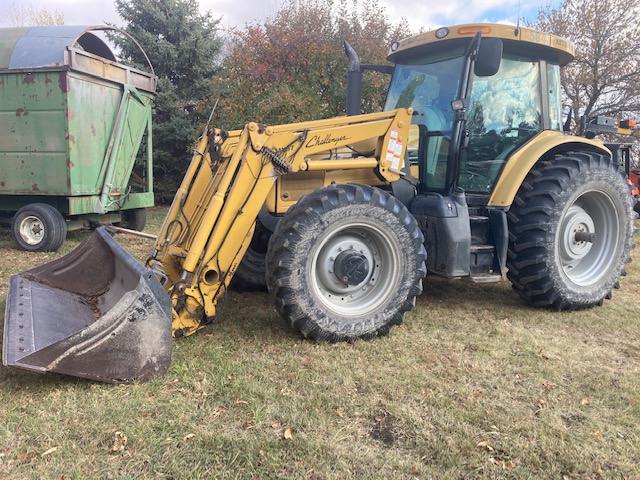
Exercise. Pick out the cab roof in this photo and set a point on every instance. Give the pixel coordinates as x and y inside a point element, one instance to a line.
<point>516,39</point>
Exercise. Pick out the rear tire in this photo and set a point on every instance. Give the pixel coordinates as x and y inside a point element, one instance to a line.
<point>250,276</point>
<point>134,219</point>
<point>39,227</point>
<point>575,194</point>
<point>346,262</point>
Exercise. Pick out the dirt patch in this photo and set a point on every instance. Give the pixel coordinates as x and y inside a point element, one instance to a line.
<point>383,429</point>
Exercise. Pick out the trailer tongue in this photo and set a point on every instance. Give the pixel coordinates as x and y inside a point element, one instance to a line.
<point>95,313</point>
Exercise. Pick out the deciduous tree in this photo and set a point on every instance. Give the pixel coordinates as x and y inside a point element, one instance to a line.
<point>292,67</point>
<point>604,79</point>
<point>25,15</point>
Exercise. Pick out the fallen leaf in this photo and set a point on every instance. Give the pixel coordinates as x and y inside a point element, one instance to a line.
<point>49,452</point>
<point>585,401</point>
<point>216,412</point>
<point>276,425</point>
<point>119,443</point>
<point>502,464</point>
<point>485,444</point>
<point>288,434</point>
<point>24,457</point>
<point>475,395</point>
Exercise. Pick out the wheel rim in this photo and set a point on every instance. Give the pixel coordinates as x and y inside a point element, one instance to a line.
<point>584,262</point>
<point>32,230</point>
<point>355,268</point>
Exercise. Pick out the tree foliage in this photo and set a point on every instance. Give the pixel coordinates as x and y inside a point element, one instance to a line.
<point>292,67</point>
<point>183,46</point>
<point>604,79</point>
<point>23,15</point>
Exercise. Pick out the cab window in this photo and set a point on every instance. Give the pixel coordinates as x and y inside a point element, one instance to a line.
<point>504,113</point>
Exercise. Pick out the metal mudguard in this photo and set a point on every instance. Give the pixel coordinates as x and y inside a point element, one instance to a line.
<point>95,313</point>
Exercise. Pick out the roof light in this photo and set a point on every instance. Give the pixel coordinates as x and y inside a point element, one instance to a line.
<point>473,29</point>
<point>442,32</point>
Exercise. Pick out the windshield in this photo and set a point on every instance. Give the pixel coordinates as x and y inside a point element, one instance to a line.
<point>504,113</point>
<point>428,85</point>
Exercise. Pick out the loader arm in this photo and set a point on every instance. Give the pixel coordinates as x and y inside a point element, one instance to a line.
<point>211,221</point>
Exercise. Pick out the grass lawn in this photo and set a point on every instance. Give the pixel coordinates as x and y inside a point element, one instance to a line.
<point>474,384</point>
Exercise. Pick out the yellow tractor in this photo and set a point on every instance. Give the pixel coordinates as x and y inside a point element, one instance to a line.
<point>466,173</point>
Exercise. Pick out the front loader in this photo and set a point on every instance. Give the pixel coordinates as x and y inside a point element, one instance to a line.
<point>466,173</point>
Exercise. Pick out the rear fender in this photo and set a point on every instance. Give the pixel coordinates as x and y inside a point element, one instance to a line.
<point>523,160</point>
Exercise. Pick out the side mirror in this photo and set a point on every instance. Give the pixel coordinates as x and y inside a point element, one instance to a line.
<point>489,57</point>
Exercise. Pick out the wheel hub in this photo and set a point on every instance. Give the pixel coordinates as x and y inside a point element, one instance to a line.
<point>345,264</point>
<point>32,230</point>
<point>578,229</point>
<point>351,267</point>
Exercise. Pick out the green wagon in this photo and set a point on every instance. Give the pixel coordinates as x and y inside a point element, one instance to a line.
<point>75,134</point>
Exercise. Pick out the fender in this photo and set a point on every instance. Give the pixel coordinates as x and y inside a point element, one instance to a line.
<point>522,161</point>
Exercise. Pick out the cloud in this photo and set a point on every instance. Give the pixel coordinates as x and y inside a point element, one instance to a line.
<point>420,14</point>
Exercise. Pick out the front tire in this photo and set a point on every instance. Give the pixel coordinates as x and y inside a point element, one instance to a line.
<point>39,227</point>
<point>570,230</point>
<point>345,263</point>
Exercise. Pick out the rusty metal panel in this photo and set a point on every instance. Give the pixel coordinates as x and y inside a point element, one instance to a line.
<point>33,135</point>
<point>92,109</point>
<point>63,129</point>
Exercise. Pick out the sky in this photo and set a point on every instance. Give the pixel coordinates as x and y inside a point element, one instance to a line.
<point>421,14</point>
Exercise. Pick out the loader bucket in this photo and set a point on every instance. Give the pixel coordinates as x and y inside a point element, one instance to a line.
<point>95,313</point>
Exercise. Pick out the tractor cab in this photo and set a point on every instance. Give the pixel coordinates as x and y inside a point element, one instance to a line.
<point>479,93</point>
<point>486,105</point>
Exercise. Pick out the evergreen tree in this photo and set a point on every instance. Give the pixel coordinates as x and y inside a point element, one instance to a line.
<point>183,46</point>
